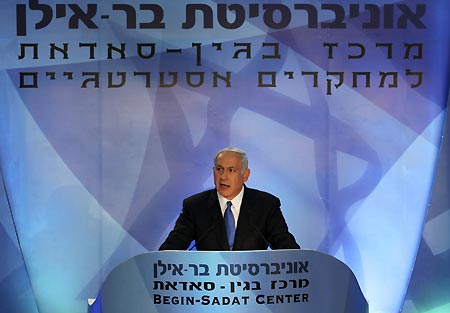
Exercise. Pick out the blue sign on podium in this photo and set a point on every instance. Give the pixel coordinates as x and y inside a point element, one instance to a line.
<point>245,281</point>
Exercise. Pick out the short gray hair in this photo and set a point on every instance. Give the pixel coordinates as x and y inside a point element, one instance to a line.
<point>238,151</point>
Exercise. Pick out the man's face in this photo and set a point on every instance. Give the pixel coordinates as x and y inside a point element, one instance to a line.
<point>228,175</point>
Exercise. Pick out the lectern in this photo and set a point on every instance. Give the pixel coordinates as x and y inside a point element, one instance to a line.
<point>248,281</point>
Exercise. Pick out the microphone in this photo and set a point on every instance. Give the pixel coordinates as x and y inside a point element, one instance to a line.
<point>213,225</point>
<point>259,233</point>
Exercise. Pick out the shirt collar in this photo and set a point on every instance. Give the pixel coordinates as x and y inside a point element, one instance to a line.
<point>237,201</point>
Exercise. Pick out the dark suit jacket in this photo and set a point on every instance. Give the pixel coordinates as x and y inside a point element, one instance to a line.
<point>260,223</point>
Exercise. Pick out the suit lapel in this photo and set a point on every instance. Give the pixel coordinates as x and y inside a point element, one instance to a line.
<point>243,225</point>
<point>219,230</point>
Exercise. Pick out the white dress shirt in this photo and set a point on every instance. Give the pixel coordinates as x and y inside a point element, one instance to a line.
<point>235,208</point>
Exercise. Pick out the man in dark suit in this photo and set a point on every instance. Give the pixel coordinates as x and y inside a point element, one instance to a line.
<point>231,216</point>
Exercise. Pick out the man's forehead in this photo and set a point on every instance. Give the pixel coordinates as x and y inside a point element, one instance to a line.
<point>228,158</point>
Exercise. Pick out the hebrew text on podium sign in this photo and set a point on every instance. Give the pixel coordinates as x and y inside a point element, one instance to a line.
<point>253,281</point>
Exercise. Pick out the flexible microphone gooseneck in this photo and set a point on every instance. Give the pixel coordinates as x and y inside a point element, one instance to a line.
<point>259,233</point>
<point>213,225</point>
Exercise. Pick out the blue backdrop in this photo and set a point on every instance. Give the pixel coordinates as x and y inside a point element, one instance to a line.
<point>108,119</point>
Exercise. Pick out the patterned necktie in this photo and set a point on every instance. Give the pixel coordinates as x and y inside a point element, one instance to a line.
<point>229,224</point>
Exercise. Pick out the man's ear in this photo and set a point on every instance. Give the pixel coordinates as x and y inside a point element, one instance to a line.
<point>246,174</point>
